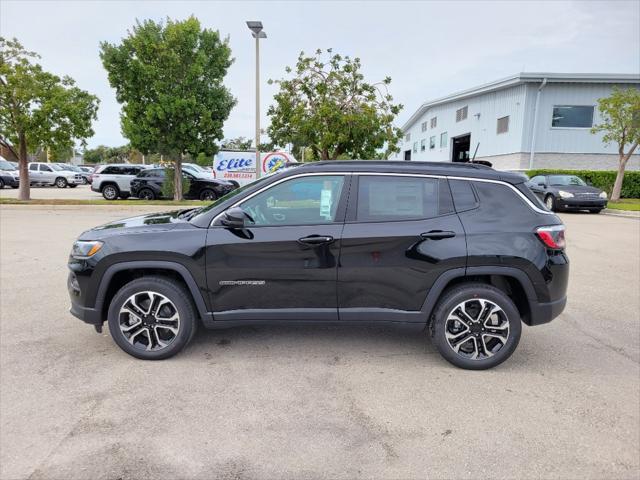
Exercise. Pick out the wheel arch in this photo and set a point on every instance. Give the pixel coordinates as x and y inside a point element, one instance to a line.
<point>515,283</point>
<point>119,274</point>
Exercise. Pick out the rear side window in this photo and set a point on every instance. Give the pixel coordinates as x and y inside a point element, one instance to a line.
<point>394,198</point>
<point>111,170</point>
<point>464,197</point>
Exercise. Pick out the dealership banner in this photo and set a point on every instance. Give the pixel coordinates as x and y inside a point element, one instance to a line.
<point>241,166</point>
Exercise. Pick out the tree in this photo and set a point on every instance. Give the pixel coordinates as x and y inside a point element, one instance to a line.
<point>328,107</point>
<point>168,78</point>
<point>238,143</point>
<point>39,109</point>
<point>621,125</point>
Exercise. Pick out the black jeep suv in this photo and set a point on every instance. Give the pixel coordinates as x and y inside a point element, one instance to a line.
<point>463,251</point>
<point>148,185</point>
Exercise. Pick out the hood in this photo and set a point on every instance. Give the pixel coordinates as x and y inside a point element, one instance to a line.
<point>577,189</point>
<point>156,222</point>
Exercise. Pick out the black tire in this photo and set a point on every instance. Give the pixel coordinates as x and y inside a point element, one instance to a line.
<point>181,302</point>
<point>208,194</point>
<point>595,210</point>
<point>473,293</point>
<point>61,182</point>
<point>110,191</point>
<point>1,184</point>
<point>234,183</point>
<point>124,196</point>
<point>550,202</point>
<point>14,186</point>
<point>146,194</point>
<point>72,185</point>
<point>85,181</point>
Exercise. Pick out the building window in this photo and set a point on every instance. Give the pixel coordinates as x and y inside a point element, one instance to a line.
<point>461,113</point>
<point>434,122</point>
<point>572,116</point>
<point>424,126</point>
<point>443,140</point>
<point>407,137</point>
<point>415,147</point>
<point>423,145</point>
<point>503,125</point>
<point>432,143</point>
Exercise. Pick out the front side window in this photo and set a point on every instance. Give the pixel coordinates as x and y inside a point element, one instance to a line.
<point>45,168</point>
<point>538,180</point>
<point>572,116</point>
<point>392,198</point>
<point>443,140</point>
<point>311,200</point>
<point>33,167</point>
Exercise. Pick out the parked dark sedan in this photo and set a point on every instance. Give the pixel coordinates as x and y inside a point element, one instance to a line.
<point>567,192</point>
<point>148,185</point>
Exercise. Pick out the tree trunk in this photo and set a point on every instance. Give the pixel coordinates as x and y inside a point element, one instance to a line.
<point>23,166</point>
<point>617,185</point>
<point>177,178</point>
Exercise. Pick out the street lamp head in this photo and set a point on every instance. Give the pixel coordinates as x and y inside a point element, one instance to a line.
<point>255,26</point>
<point>259,35</point>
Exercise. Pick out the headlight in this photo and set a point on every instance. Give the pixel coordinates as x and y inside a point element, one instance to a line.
<point>564,194</point>
<point>82,249</point>
<point>603,195</point>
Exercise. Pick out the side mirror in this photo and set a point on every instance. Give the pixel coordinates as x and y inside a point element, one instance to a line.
<point>234,218</point>
<point>542,184</point>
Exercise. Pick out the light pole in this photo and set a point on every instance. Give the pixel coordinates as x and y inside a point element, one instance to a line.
<point>258,33</point>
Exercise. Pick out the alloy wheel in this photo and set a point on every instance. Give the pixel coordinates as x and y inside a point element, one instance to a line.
<point>149,321</point>
<point>477,329</point>
<point>110,192</point>
<point>549,202</point>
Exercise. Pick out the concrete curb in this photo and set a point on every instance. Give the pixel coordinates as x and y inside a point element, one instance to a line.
<point>621,213</point>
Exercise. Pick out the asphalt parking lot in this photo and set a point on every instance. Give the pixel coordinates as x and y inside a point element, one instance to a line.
<point>278,402</point>
<point>81,192</point>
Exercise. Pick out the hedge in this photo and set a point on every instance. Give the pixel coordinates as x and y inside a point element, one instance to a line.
<point>602,179</point>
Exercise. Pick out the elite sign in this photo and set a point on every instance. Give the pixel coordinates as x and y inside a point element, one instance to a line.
<point>241,166</point>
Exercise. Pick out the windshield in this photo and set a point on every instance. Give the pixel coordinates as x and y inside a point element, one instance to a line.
<point>4,165</point>
<point>57,168</point>
<point>566,180</point>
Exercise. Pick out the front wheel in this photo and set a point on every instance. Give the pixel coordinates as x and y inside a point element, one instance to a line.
<point>207,194</point>
<point>550,203</point>
<point>61,182</point>
<point>146,194</point>
<point>476,326</point>
<point>152,318</point>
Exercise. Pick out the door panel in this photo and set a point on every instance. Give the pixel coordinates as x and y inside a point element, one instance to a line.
<point>283,264</point>
<point>401,235</point>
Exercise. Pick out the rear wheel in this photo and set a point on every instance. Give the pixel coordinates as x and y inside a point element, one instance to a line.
<point>110,192</point>
<point>208,194</point>
<point>476,326</point>
<point>61,182</point>
<point>152,318</point>
<point>550,203</point>
<point>146,194</point>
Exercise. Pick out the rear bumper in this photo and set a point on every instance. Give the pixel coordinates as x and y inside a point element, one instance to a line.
<point>545,312</point>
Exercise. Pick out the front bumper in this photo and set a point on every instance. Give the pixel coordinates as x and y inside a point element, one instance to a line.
<point>11,181</point>
<point>78,310</point>
<point>577,203</point>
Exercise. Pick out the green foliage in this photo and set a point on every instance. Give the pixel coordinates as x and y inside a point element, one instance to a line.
<point>621,118</point>
<point>238,143</point>
<point>602,179</point>
<point>328,107</point>
<point>104,154</point>
<point>203,160</point>
<point>39,109</point>
<point>169,79</point>
<point>168,186</point>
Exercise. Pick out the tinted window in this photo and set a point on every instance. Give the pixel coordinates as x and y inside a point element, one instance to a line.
<point>110,170</point>
<point>463,195</point>
<point>560,180</point>
<point>538,179</point>
<point>301,201</point>
<point>45,168</point>
<point>572,116</point>
<point>130,170</point>
<point>389,198</point>
<point>4,165</point>
<point>33,167</point>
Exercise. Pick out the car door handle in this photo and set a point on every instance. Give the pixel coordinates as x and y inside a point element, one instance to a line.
<point>316,240</point>
<point>437,235</point>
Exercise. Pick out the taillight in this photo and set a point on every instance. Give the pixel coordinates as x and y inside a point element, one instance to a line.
<point>552,236</point>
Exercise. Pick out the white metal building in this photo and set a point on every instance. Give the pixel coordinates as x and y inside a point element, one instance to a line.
<point>529,120</point>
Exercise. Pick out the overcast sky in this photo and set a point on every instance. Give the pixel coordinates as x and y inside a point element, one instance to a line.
<point>429,48</point>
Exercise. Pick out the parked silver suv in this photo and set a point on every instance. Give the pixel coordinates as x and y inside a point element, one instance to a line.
<point>53,174</point>
<point>114,180</point>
